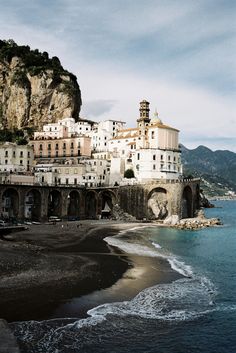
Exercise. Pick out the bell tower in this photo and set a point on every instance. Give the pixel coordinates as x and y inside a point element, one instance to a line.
<point>143,119</point>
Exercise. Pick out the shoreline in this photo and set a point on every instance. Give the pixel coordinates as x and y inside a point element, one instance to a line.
<point>49,265</point>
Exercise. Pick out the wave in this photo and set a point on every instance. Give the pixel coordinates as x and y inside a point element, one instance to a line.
<point>145,248</point>
<point>174,301</point>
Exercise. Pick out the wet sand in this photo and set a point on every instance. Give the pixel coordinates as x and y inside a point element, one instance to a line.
<point>65,269</point>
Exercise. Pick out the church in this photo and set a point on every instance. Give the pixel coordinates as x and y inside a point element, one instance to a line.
<point>151,149</point>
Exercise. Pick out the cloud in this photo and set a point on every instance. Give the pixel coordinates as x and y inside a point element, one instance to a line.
<point>178,55</point>
<point>97,108</point>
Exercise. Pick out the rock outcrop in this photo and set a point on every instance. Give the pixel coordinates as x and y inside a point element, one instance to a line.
<point>34,89</point>
<point>158,206</point>
<point>117,214</point>
<point>198,222</point>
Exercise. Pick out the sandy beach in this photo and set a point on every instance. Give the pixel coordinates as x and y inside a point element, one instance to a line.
<point>47,265</point>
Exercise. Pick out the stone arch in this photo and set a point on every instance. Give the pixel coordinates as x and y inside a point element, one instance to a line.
<point>187,203</point>
<point>10,204</point>
<point>32,205</point>
<point>73,208</point>
<point>54,203</point>
<point>91,205</point>
<point>107,199</point>
<point>157,204</point>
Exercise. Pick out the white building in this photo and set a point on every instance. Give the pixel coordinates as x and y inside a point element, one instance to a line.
<point>103,132</point>
<point>88,172</point>
<point>65,128</point>
<point>16,158</point>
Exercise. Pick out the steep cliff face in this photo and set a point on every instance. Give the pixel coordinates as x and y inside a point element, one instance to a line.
<point>32,95</point>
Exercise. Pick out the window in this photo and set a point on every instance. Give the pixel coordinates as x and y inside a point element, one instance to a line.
<point>40,147</point>
<point>28,154</point>
<point>56,147</point>
<point>6,161</point>
<point>42,179</point>
<point>138,156</point>
<point>56,153</point>
<point>6,153</point>
<point>14,154</point>
<point>72,145</point>
<point>64,145</point>
<point>154,166</point>
<point>21,154</point>
<point>49,146</point>
<point>67,181</point>
<point>162,157</point>
<point>75,181</point>
<point>153,134</point>
<point>21,162</point>
<point>174,159</point>
<point>168,158</point>
<point>154,157</point>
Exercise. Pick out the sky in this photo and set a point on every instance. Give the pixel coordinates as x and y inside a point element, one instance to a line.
<point>180,55</point>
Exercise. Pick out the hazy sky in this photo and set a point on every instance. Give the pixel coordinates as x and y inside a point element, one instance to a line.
<point>180,55</point>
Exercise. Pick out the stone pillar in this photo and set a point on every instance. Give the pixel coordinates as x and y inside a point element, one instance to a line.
<point>82,204</point>
<point>21,210</point>
<point>44,203</point>
<point>64,203</point>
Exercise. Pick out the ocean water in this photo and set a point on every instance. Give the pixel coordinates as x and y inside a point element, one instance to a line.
<point>195,313</point>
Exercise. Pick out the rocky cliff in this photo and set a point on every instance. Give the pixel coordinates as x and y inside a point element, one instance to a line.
<point>34,89</point>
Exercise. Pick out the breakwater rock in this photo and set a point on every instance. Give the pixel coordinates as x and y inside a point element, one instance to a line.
<point>197,223</point>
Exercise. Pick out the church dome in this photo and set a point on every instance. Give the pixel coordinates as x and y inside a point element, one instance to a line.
<point>156,119</point>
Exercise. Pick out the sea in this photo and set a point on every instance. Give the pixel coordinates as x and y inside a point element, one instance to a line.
<point>195,313</point>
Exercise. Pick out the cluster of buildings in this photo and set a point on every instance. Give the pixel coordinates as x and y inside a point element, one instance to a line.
<point>92,154</point>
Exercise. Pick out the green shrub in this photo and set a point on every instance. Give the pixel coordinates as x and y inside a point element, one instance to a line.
<point>129,173</point>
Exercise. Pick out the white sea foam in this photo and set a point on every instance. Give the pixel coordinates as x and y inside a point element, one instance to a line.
<point>157,246</point>
<point>180,266</point>
<point>131,248</point>
<point>173,301</point>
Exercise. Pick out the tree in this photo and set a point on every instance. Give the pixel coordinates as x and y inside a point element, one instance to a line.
<point>129,173</point>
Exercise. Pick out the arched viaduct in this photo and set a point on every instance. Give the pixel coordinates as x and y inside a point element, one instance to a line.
<point>151,201</point>
<point>38,203</point>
